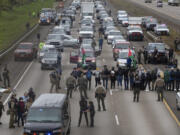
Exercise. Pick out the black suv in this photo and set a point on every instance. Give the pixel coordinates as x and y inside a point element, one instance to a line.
<point>161,55</point>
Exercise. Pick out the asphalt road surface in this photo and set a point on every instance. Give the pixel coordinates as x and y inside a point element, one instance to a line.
<point>123,116</point>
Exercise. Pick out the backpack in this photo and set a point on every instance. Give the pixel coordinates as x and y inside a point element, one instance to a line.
<point>88,75</point>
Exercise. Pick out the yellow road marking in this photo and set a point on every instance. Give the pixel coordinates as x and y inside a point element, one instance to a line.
<point>171,112</point>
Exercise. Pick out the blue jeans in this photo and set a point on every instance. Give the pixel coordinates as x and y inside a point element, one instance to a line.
<point>119,79</point>
<point>126,83</point>
<point>131,82</point>
<point>105,82</point>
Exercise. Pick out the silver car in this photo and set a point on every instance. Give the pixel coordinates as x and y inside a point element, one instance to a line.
<point>112,34</point>
<point>49,61</point>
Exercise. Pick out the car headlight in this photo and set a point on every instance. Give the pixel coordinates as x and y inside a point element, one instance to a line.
<point>57,131</point>
<point>27,130</point>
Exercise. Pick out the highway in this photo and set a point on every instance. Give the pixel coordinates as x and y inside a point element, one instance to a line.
<point>123,116</point>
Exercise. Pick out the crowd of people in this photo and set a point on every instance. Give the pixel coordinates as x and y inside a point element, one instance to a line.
<point>18,108</point>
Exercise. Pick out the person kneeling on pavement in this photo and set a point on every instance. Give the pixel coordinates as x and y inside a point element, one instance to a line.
<point>100,95</point>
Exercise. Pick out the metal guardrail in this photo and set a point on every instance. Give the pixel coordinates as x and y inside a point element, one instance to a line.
<point>26,34</point>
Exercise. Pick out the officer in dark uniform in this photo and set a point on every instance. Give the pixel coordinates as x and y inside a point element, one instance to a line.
<point>139,56</point>
<point>145,56</point>
<point>100,95</point>
<point>82,83</point>
<point>6,77</point>
<point>136,88</point>
<point>83,110</point>
<point>155,55</point>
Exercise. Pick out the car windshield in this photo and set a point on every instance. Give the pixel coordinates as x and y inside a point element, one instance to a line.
<point>114,33</point>
<point>87,41</point>
<point>53,36</point>
<point>50,55</point>
<point>162,27</point>
<point>134,28</point>
<point>123,55</point>
<point>125,19</point>
<point>44,115</point>
<point>88,54</point>
<point>118,37</point>
<point>122,46</point>
<point>158,46</point>
<point>24,47</point>
<point>86,29</point>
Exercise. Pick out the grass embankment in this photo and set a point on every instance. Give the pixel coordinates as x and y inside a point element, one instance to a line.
<point>134,10</point>
<point>13,22</point>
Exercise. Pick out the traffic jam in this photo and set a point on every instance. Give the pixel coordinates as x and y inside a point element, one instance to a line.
<point>79,33</point>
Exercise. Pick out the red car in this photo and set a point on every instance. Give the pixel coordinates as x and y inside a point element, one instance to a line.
<point>90,59</point>
<point>25,51</point>
<point>74,56</point>
<point>118,46</point>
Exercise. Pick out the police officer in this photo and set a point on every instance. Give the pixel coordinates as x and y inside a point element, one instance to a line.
<point>177,80</point>
<point>139,56</point>
<point>70,84</point>
<point>159,85</point>
<point>31,94</point>
<point>54,81</point>
<point>100,95</point>
<point>155,55</point>
<point>176,43</point>
<point>136,88</point>
<point>6,78</point>
<point>171,54</point>
<point>105,75</point>
<point>1,109</point>
<point>82,83</point>
<point>12,109</point>
<point>145,56</point>
<point>83,110</point>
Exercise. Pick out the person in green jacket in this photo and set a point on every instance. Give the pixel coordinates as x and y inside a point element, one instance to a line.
<point>166,78</point>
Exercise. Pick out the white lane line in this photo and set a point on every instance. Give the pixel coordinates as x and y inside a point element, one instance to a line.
<point>104,60</point>
<point>110,92</point>
<point>5,102</point>
<point>117,120</point>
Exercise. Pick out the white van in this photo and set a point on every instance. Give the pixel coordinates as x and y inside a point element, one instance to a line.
<point>178,100</point>
<point>174,2</point>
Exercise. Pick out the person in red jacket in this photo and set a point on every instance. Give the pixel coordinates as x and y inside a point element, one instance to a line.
<point>21,110</point>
